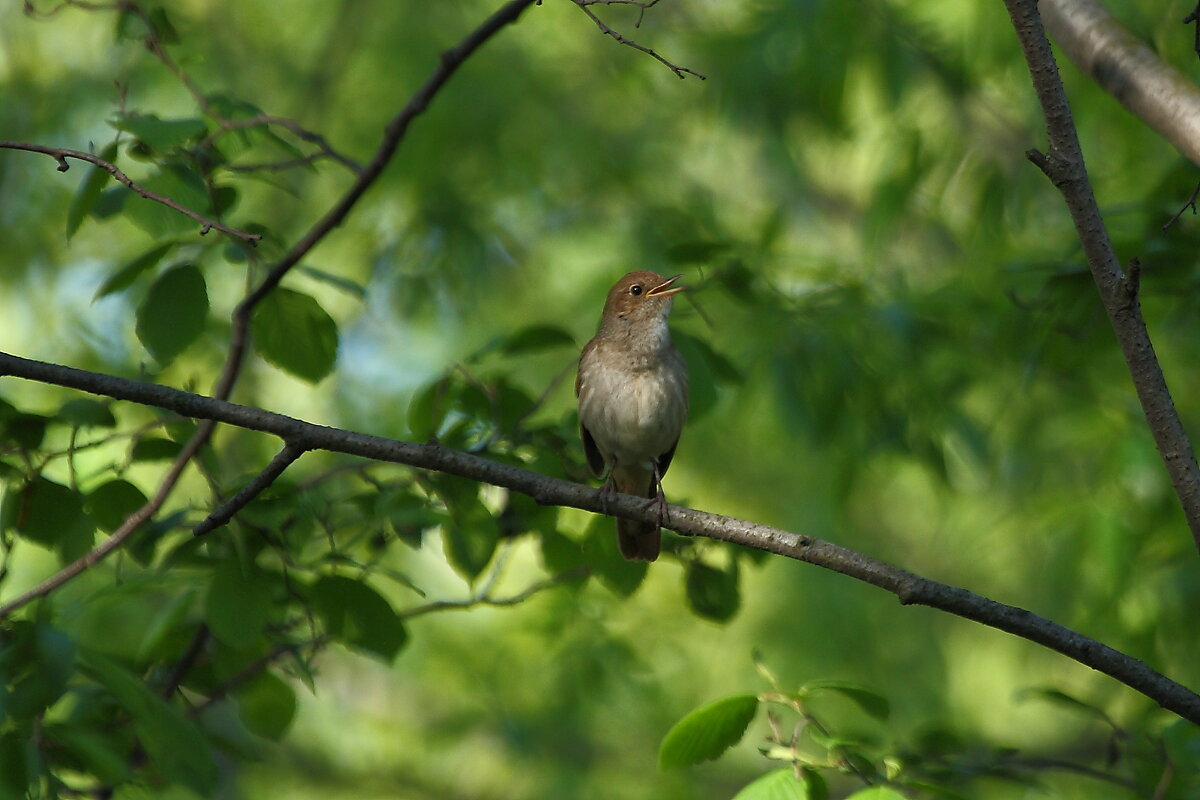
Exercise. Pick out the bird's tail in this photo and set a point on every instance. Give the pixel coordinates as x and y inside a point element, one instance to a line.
<point>638,541</point>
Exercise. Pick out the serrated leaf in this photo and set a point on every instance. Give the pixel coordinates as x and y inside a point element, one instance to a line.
<point>869,701</point>
<point>84,413</point>
<point>174,744</point>
<point>174,312</point>
<point>129,272</point>
<point>780,784</point>
<point>713,593</point>
<point>707,732</point>
<point>294,333</point>
<point>358,616</point>
<point>90,188</point>
<point>238,604</point>
<point>110,503</point>
<point>267,705</point>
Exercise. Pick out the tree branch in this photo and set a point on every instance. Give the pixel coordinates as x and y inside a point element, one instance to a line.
<point>909,588</point>
<point>1064,165</point>
<point>681,72</point>
<point>1128,69</point>
<point>291,451</point>
<point>61,155</point>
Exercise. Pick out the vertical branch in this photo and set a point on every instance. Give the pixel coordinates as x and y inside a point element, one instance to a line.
<point>1063,164</point>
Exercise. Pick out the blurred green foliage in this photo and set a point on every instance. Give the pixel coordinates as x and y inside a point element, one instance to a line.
<point>893,342</point>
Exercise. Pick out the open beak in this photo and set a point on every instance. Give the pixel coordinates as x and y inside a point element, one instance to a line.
<point>664,289</point>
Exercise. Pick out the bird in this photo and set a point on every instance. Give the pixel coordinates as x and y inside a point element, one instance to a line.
<point>632,386</point>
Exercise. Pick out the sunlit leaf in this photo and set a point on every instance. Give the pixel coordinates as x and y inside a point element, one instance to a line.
<point>780,784</point>
<point>707,732</point>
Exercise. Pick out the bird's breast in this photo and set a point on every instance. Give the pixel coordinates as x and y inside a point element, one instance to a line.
<point>634,412</point>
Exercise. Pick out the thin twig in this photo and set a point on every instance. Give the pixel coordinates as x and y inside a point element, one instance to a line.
<point>61,155</point>
<point>302,133</point>
<point>485,598</point>
<point>908,587</point>
<point>641,4</point>
<point>1191,201</point>
<point>679,71</point>
<point>291,451</point>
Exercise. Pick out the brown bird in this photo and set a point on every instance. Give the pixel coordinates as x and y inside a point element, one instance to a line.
<point>633,398</point>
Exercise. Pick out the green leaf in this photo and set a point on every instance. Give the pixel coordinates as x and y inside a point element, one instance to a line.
<point>267,705</point>
<point>619,575</point>
<point>128,273</point>
<point>154,448</point>
<point>174,312</point>
<point>26,431</point>
<point>177,183</point>
<point>536,338</point>
<point>561,553</point>
<point>238,604</point>
<point>471,534</point>
<point>50,514</point>
<point>707,732</point>
<point>359,616</point>
<point>780,784</point>
<point>428,408</point>
<point>110,503</point>
<point>352,288</point>
<point>1064,700</point>
<point>877,793</point>
<point>871,702</point>
<point>160,134</point>
<point>174,744</point>
<point>95,751</point>
<point>16,753</point>
<point>89,190</point>
<point>294,333</point>
<point>38,661</point>
<point>713,593</point>
<point>694,252</point>
<point>84,413</point>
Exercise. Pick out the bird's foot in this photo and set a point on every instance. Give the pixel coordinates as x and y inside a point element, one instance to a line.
<point>608,492</point>
<point>659,502</point>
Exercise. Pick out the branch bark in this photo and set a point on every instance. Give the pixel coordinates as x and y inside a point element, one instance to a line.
<point>1128,69</point>
<point>1064,165</point>
<point>911,589</point>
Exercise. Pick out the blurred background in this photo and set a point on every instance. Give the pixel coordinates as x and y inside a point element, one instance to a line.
<point>894,341</point>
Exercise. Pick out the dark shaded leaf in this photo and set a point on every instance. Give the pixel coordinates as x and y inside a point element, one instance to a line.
<point>871,702</point>
<point>110,503</point>
<point>238,604</point>
<point>619,575</point>
<point>160,134</point>
<point>177,183</point>
<point>84,413</point>
<point>267,705</point>
<point>155,448</point>
<point>88,193</point>
<point>358,616</point>
<point>294,333</point>
<point>352,288</point>
<point>713,593</point>
<point>128,273</point>
<point>174,744</point>
<point>50,514</point>
<point>471,534</point>
<point>174,312</point>
<point>707,732</point>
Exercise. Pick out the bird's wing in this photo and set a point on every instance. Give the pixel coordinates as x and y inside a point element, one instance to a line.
<point>664,460</point>
<point>595,458</point>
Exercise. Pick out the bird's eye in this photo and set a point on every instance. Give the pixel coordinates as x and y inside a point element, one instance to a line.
<point>636,289</point>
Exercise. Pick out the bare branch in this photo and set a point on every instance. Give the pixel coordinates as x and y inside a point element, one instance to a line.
<point>1063,164</point>
<point>325,150</point>
<point>1191,203</point>
<point>909,588</point>
<point>1128,69</point>
<point>282,460</point>
<point>681,72</point>
<point>61,155</point>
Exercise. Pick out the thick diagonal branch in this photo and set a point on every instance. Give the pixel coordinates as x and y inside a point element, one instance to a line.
<point>1063,164</point>
<point>910,588</point>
